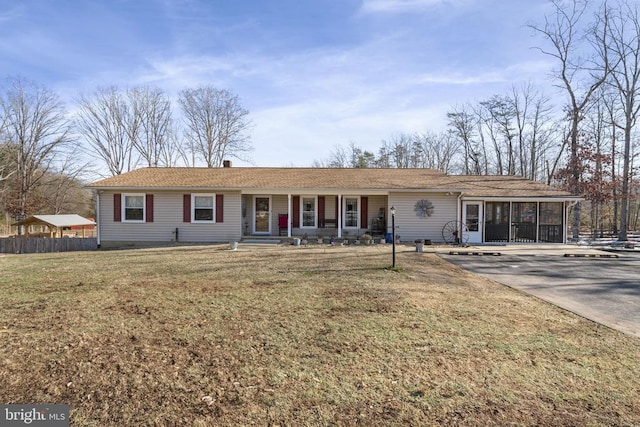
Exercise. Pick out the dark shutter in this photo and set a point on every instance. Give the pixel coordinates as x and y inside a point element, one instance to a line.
<point>336,214</point>
<point>149,207</point>
<point>117,207</point>
<point>219,208</point>
<point>296,211</point>
<point>364,211</point>
<point>186,208</point>
<point>321,211</point>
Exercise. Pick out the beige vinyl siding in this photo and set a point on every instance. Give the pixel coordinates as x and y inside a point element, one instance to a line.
<point>410,227</point>
<point>167,217</point>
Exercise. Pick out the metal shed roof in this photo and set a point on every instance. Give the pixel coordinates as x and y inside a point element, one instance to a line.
<point>66,220</point>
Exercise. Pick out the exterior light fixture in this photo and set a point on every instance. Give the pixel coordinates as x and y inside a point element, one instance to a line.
<point>393,236</point>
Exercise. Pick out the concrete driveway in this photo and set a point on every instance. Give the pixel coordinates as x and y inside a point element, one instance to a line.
<point>605,290</point>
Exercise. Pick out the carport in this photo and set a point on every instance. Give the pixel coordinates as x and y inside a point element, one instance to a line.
<point>55,224</point>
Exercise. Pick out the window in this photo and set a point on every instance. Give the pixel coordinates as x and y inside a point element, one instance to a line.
<point>472,215</point>
<point>351,212</point>
<point>133,207</point>
<point>203,207</point>
<point>308,212</point>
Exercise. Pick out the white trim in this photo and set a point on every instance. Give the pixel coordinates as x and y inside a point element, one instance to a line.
<point>123,207</point>
<point>478,235</point>
<point>339,202</point>
<point>193,208</point>
<point>315,211</point>
<point>289,214</point>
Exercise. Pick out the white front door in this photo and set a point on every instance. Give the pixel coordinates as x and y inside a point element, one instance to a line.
<point>262,215</point>
<point>472,218</point>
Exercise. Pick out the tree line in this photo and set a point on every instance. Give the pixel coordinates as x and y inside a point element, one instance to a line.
<point>43,147</point>
<point>587,142</point>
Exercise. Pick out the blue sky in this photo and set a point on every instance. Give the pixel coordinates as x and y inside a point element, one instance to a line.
<point>313,73</point>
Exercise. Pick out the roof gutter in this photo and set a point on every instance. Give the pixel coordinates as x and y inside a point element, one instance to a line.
<point>525,199</point>
<point>276,190</point>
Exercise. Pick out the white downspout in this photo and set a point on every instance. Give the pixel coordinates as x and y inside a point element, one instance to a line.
<point>98,222</point>
<point>459,207</point>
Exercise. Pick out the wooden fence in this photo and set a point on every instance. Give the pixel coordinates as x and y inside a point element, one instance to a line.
<point>34,245</point>
<point>5,230</point>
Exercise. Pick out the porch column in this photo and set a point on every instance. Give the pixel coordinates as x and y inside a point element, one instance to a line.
<point>537,222</point>
<point>289,215</point>
<point>339,219</point>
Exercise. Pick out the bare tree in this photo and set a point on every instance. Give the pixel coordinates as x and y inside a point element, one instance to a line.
<point>339,158</point>
<point>497,115</point>
<point>439,150</point>
<point>107,124</point>
<point>597,182</point>
<point>8,165</point>
<point>400,150</point>
<point>579,76</point>
<point>216,123</point>
<point>608,99</point>
<point>541,138</point>
<point>63,185</point>
<point>622,55</point>
<point>150,126</point>
<point>383,160</point>
<point>36,128</point>
<point>173,152</point>
<point>462,122</point>
<point>7,153</point>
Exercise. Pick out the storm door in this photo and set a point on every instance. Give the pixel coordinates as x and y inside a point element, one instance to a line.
<point>262,215</point>
<point>472,218</point>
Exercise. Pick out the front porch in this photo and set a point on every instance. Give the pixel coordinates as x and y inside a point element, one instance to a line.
<point>341,216</point>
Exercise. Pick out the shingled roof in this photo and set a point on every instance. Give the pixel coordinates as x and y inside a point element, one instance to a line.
<point>244,178</point>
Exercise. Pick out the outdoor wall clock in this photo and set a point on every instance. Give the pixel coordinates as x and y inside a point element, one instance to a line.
<point>423,208</point>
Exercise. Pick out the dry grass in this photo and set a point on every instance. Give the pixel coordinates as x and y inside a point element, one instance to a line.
<point>299,336</point>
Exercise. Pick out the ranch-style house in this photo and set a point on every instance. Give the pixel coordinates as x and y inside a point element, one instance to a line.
<point>155,205</point>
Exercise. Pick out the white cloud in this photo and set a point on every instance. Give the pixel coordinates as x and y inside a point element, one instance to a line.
<point>523,71</point>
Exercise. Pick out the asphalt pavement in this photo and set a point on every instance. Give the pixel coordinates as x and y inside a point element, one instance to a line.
<point>585,281</point>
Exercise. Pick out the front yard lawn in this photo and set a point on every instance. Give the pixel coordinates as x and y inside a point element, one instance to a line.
<point>199,335</point>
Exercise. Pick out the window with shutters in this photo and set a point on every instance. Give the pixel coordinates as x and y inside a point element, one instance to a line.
<point>203,207</point>
<point>133,208</point>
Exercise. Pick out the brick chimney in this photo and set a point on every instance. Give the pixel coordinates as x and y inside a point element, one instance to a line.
<point>226,163</point>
